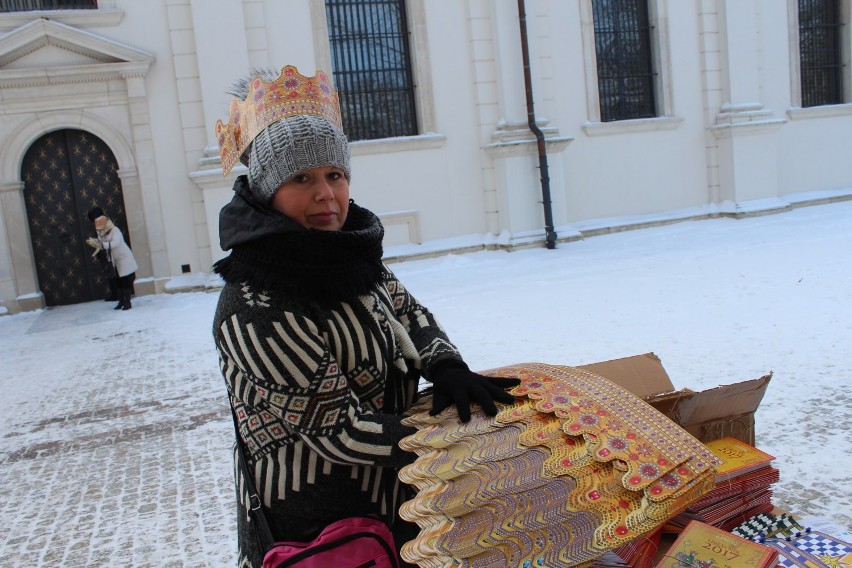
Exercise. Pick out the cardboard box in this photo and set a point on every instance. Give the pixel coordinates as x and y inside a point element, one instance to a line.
<point>726,410</point>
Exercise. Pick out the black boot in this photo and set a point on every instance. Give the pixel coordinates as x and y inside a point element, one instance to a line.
<point>126,297</point>
<point>120,305</point>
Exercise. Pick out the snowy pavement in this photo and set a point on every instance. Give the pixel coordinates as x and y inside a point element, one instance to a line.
<point>115,444</point>
<point>115,430</point>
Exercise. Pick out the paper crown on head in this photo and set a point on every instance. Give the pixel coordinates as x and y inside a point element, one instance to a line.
<point>291,94</point>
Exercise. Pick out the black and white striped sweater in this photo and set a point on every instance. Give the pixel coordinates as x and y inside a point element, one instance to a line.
<point>321,348</point>
<point>309,382</point>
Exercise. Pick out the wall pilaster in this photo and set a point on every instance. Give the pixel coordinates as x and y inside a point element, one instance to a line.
<point>18,287</point>
<point>141,192</point>
<point>741,132</point>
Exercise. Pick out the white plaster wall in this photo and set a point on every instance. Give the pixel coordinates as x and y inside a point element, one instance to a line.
<point>635,174</point>
<point>630,173</point>
<point>452,174</point>
<point>145,26</point>
<point>288,32</point>
<point>815,153</point>
<point>774,57</point>
<point>567,110</point>
<point>213,35</point>
<point>813,146</point>
<point>440,184</point>
<point>470,84</point>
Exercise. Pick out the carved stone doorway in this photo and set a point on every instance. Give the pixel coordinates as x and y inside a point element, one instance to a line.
<point>67,173</point>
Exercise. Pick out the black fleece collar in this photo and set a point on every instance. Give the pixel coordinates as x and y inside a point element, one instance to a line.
<point>243,219</point>
<point>273,252</point>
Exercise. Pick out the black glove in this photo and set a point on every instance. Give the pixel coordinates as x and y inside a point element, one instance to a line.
<point>454,383</point>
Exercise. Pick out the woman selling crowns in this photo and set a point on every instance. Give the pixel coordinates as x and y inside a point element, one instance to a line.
<point>320,345</point>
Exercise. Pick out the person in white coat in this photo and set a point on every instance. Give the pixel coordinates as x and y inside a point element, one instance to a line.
<point>120,256</point>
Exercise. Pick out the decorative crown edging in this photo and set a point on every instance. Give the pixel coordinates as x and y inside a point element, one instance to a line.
<point>291,94</point>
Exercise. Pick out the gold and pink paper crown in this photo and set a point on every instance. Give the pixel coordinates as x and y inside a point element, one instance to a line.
<point>291,94</point>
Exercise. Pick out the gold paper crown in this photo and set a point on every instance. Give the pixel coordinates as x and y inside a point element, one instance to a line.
<point>291,94</point>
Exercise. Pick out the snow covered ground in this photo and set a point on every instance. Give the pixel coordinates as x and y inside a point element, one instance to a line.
<point>119,418</point>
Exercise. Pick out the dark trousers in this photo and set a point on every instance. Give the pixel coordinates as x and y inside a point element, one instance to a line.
<point>125,291</point>
<point>113,288</point>
<point>126,282</point>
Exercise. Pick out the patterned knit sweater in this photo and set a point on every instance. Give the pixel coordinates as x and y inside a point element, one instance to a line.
<point>311,382</point>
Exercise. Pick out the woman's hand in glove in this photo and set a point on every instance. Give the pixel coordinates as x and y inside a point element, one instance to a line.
<point>454,383</point>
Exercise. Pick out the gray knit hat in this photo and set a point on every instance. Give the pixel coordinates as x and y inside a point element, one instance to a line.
<point>293,145</point>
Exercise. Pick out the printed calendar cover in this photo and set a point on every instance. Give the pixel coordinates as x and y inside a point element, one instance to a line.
<point>738,458</point>
<point>703,546</point>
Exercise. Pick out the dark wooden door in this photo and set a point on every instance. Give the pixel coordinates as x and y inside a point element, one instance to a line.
<point>67,173</point>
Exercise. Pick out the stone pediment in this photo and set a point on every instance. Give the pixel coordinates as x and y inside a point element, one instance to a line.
<point>47,52</point>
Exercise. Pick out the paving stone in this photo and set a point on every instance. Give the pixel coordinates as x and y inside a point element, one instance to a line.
<point>123,459</point>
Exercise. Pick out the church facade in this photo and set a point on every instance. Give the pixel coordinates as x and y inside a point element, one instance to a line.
<point>474,123</point>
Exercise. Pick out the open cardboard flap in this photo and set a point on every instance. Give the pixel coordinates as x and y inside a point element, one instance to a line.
<point>643,375</point>
<point>726,410</point>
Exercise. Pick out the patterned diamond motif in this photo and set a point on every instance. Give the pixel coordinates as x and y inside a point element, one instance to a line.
<point>363,378</point>
<point>330,418</point>
<point>279,400</point>
<point>364,382</point>
<point>293,418</point>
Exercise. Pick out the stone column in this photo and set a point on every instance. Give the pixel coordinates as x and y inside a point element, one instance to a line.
<point>18,285</point>
<point>142,194</point>
<point>217,190</point>
<point>742,132</point>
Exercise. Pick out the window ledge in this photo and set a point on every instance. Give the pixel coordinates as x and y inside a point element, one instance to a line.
<point>100,18</point>
<point>798,113</point>
<point>427,141</point>
<point>629,126</point>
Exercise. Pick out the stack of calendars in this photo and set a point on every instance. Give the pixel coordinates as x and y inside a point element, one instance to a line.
<point>641,552</point>
<point>608,560</point>
<point>742,488</point>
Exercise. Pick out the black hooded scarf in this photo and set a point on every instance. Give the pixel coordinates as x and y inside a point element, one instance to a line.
<point>273,252</point>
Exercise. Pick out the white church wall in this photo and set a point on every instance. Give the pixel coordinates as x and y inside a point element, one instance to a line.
<point>815,154</point>
<point>814,144</point>
<point>730,128</point>
<point>147,26</point>
<point>638,166</point>
<point>436,178</point>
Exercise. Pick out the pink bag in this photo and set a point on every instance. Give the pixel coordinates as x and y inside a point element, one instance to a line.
<point>357,542</point>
